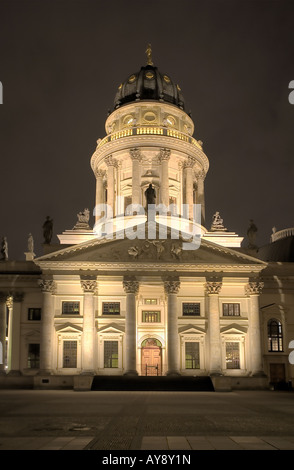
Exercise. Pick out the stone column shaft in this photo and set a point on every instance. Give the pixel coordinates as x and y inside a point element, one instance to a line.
<point>164,158</point>
<point>200,199</point>
<point>254,290</point>
<point>131,288</point>
<point>111,164</point>
<point>89,287</point>
<point>99,190</point>
<point>3,307</point>
<point>215,352</point>
<point>136,175</point>
<point>47,327</point>
<point>14,335</point>
<point>173,341</point>
<point>189,189</point>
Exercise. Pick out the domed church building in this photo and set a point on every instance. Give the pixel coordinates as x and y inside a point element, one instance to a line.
<point>152,290</point>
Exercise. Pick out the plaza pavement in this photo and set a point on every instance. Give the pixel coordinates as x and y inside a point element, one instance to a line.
<point>132,421</point>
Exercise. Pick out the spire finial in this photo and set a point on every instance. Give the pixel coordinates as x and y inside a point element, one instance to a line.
<point>149,55</point>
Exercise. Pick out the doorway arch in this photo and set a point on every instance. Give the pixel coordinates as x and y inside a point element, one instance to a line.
<point>151,362</point>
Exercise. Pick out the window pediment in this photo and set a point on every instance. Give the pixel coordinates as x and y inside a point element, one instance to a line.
<point>234,329</point>
<point>68,328</point>
<point>111,328</point>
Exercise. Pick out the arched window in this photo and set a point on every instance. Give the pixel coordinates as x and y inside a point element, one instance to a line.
<point>275,336</point>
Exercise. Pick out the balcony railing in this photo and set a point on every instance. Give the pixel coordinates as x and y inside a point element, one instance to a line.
<point>149,130</point>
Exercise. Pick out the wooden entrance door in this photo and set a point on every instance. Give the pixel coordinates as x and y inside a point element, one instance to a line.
<point>151,358</point>
<point>277,373</point>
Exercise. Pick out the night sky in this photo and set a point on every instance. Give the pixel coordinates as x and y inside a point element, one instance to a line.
<point>62,61</point>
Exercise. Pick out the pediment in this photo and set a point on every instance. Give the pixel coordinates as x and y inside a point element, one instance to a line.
<point>234,329</point>
<point>111,328</point>
<point>68,328</point>
<point>191,330</point>
<point>149,250</point>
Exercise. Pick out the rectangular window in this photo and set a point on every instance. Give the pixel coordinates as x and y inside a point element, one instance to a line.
<point>232,355</point>
<point>191,309</point>
<point>150,301</point>
<point>71,308</point>
<point>192,356</point>
<point>34,356</point>
<point>111,354</point>
<point>70,354</point>
<point>110,308</point>
<point>34,314</point>
<point>231,310</point>
<point>151,316</point>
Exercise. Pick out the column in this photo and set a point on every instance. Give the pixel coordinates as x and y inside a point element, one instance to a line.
<point>111,164</point>
<point>99,190</point>
<point>3,309</point>
<point>253,290</point>
<point>188,178</point>
<point>173,343</point>
<point>164,157</point>
<point>200,195</point>
<point>14,305</point>
<point>215,353</point>
<point>47,326</point>
<point>131,287</point>
<point>136,175</point>
<point>89,286</point>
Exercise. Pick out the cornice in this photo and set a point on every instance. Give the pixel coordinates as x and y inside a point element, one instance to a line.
<point>128,142</point>
<point>152,266</point>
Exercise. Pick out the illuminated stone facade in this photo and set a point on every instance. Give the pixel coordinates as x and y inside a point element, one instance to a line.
<point>145,306</point>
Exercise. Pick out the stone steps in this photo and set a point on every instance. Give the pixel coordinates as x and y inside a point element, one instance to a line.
<point>189,384</point>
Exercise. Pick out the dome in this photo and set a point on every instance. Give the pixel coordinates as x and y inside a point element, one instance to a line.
<point>149,84</point>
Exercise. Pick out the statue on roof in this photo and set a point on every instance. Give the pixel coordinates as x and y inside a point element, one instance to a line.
<point>4,249</point>
<point>217,223</point>
<point>48,230</point>
<point>251,234</point>
<point>83,220</point>
<point>30,243</point>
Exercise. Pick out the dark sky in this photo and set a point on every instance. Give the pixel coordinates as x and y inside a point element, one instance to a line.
<point>62,61</point>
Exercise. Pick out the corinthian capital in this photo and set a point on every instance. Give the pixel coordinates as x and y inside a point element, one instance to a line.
<point>135,154</point>
<point>164,155</point>
<point>99,173</point>
<point>172,286</point>
<point>131,286</point>
<point>89,285</point>
<point>189,162</point>
<point>213,287</point>
<point>254,288</point>
<point>200,175</point>
<point>47,285</point>
<point>110,161</point>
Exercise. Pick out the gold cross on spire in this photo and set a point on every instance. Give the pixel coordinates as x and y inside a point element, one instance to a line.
<point>149,55</point>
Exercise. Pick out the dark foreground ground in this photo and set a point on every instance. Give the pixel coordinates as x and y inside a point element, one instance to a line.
<point>127,421</point>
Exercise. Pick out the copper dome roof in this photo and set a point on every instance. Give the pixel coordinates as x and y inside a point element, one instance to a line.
<point>149,84</point>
